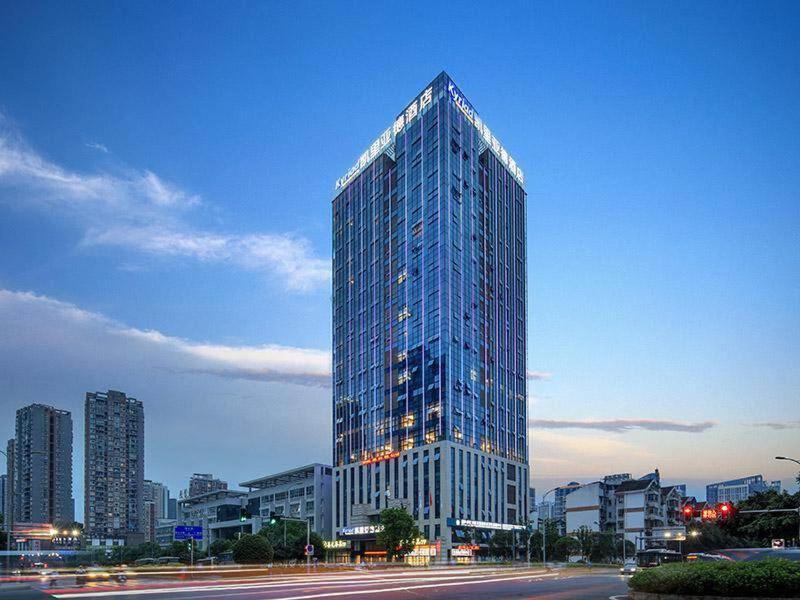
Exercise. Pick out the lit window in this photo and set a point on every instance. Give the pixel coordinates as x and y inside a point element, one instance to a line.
<point>407,444</point>
<point>404,376</point>
<point>403,314</point>
<point>407,420</point>
<point>457,436</point>
<point>430,437</point>
<point>402,277</point>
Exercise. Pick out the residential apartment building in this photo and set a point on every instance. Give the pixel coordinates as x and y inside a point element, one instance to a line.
<point>8,507</point>
<point>158,494</point>
<point>429,329</point>
<point>114,467</point>
<point>736,490</point>
<point>156,507</point>
<point>560,504</point>
<point>621,504</point>
<point>541,514</point>
<point>3,490</point>
<point>202,483</point>
<point>43,466</point>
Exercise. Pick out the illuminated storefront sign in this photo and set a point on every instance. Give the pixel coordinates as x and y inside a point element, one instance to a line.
<point>469,547</point>
<point>335,544</point>
<point>362,530</point>
<point>381,456</point>
<point>467,523</point>
<point>459,552</point>
<point>424,550</point>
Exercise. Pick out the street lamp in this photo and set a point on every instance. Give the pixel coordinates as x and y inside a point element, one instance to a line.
<point>8,526</point>
<point>544,531</point>
<point>787,458</point>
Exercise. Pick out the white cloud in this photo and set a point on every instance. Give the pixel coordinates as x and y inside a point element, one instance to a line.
<point>778,425</point>
<point>98,146</point>
<point>620,425</point>
<point>269,363</point>
<point>266,405</point>
<point>287,255</point>
<point>140,211</point>
<point>538,375</point>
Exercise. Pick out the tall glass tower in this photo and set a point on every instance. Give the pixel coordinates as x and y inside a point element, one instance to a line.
<point>429,330</point>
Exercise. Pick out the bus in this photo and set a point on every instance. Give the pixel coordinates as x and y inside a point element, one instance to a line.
<point>655,557</point>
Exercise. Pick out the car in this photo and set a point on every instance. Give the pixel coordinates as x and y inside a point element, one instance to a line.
<point>48,576</point>
<point>629,568</point>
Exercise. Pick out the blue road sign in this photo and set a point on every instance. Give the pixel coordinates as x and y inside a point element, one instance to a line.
<point>187,532</point>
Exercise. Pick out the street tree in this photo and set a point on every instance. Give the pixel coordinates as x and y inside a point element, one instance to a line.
<point>219,546</point>
<point>585,539</point>
<point>550,538</point>
<point>603,547</point>
<point>399,532</point>
<point>288,539</point>
<point>566,547</point>
<point>148,550</point>
<point>764,527</point>
<point>182,550</point>
<point>252,549</point>
<point>501,544</point>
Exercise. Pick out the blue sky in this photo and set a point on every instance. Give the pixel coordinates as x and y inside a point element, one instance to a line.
<point>166,177</point>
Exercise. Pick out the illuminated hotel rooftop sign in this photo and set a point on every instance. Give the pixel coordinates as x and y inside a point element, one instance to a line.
<point>411,112</point>
<point>483,130</point>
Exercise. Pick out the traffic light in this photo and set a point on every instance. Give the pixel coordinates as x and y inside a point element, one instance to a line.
<point>274,518</point>
<point>243,515</point>
<point>688,513</point>
<point>726,510</point>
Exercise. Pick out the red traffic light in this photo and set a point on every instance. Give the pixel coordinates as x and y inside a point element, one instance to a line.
<point>688,513</point>
<point>725,510</point>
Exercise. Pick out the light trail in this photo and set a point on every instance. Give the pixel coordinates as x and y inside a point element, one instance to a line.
<point>430,581</point>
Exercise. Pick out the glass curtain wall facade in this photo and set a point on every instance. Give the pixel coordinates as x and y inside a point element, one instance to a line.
<point>429,325</point>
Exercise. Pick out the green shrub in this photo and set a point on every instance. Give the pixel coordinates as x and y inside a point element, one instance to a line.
<point>766,578</point>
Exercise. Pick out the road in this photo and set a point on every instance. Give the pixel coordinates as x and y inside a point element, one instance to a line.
<point>389,584</point>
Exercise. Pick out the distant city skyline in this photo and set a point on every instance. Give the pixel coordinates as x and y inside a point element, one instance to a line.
<point>165,224</point>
